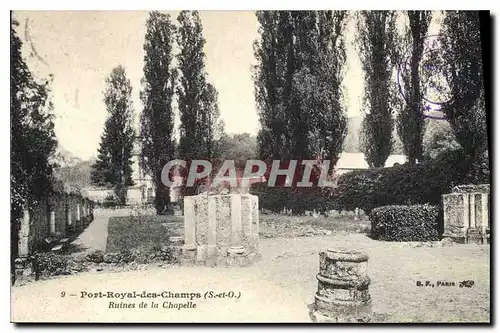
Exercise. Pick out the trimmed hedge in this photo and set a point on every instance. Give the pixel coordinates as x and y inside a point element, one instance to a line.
<point>405,223</point>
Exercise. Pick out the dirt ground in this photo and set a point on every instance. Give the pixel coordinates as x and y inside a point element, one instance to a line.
<point>278,288</point>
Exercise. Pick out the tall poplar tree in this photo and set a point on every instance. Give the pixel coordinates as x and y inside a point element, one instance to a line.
<point>377,43</point>
<point>196,97</point>
<point>114,162</point>
<point>300,61</point>
<point>410,121</point>
<point>157,119</point>
<point>462,64</point>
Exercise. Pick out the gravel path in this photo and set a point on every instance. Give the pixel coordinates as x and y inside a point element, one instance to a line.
<point>94,237</point>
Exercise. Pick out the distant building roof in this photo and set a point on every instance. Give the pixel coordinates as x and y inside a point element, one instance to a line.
<point>353,161</point>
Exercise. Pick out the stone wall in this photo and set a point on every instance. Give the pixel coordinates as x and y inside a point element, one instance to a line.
<point>221,230</point>
<point>466,217</point>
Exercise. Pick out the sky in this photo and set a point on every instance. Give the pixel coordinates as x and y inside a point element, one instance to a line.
<point>79,48</point>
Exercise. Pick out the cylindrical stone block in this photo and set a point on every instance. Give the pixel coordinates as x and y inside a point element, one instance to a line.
<point>343,294</point>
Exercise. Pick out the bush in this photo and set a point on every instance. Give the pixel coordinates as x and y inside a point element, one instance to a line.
<point>110,201</point>
<point>400,185</point>
<point>49,264</point>
<point>274,199</point>
<point>405,223</point>
<point>96,256</point>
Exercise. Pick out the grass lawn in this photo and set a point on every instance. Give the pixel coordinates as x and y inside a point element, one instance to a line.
<point>127,233</point>
<point>274,225</point>
<point>143,231</point>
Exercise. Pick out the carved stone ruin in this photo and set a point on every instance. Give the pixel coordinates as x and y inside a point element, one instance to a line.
<point>343,295</point>
<point>221,230</point>
<point>466,217</point>
<point>22,263</point>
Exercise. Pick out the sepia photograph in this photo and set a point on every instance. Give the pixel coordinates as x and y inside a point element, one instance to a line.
<point>266,166</point>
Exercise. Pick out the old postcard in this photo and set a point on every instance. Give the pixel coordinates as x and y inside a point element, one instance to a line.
<point>250,166</point>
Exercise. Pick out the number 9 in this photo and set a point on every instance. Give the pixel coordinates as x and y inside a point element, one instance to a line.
<point>63,294</point>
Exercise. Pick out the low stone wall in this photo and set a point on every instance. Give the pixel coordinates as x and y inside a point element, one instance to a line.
<point>466,217</point>
<point>221,230</point>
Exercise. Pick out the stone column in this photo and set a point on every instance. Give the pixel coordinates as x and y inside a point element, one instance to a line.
<point>343,295</point>
<point>250,201</point>
<point>189,248</point>
<point>257,221</point>
<point>78,217</point>
<point>24,232</point>
<point>236,247</point>
<point>23,264</point>
<point>69,223</point>
<point>485,216</point>
<point>212,231</point>
<point>52,221</point>
<point>84,210</point>
<point>465,197</point>
<point>472,208</point>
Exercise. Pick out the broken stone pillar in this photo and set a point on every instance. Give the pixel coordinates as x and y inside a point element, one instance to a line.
<point>24,232</point>
<point>222,230</point>
<point>189,248</point>
<point>485,218</point>
<point>343,295</point>
<point>22,264</point>
<point>52,221</point>
<point>456,216</point>
<point>466,217</point>
<point>69,223</point>
<point>78,217</point>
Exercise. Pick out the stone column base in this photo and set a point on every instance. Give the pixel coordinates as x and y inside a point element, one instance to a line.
<point>188,256</point>
<point>23,268</point>
<point>325,311</point>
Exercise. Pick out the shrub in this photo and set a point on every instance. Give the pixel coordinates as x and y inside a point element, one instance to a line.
<point>50,264</point>
<point>405,223</point>
<point>359,189</point>
<point>96,256</point>
<point>274,199</point>
<point>400,185</point>
<point>110,201</point>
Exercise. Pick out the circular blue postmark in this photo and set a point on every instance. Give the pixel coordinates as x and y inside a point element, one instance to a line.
<point>433,84</point>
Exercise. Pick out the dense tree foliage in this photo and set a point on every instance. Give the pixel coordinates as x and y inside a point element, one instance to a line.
<point>32,142</point>
<point>197,98</point>
<point>300,65</point>
<point>410,120</point>
<point>114,161</point>
<point>377,44</point>
<point>157,118</point>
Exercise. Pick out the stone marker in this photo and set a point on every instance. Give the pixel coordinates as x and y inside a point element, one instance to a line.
<point>343,295</point>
